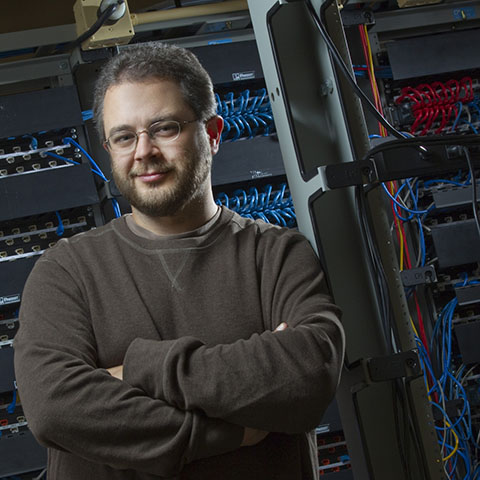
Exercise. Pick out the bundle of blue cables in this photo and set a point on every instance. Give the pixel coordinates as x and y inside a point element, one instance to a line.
<point>447,380</point>
<point>447,387</point>
<point>245,116</point>
<point>271,206</point>
<point>414,213</point>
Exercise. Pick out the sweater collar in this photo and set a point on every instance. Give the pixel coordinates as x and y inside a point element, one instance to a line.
<point>143,232</point>
<point>138,236</point>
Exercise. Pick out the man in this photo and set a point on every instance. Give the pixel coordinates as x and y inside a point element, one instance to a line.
<point>181,341</point>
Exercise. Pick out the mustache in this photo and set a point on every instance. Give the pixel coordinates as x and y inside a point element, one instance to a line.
<point>149,169</point>
<point>137,173</point>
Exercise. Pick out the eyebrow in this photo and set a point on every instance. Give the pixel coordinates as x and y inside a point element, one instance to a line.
<point>121,128</point>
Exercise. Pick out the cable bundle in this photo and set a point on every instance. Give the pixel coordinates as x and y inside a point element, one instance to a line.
<point>446,377</point>
<point>436,105</point>
<point>456,437</point>
<point>245,116</point>
<point>274,207</point>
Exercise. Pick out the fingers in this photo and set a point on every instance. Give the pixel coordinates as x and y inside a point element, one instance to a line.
<point>116,372</point>
<point>252,436</point>
<point>282,326</point>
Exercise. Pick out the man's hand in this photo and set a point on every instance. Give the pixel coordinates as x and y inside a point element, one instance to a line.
<point>251,436</point>
<point>116,372</point>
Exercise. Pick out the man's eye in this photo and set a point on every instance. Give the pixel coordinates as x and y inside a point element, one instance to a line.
<point>164,129</point>
<point>122,138</point>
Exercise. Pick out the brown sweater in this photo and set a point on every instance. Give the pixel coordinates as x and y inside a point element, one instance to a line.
<point>191,318</point>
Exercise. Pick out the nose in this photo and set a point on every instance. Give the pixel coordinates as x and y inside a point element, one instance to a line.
<point>145,146</point>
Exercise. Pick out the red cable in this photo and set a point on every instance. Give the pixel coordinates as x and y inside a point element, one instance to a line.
<point>440,87</point>
<point>466,84</point>
<point>428,101</point>
<point>456,91</point>
<point>408,263</point>
<point>443,122</point>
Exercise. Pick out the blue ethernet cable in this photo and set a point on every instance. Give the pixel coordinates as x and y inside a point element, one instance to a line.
<point>96,169</point>
<point>404,219</point>
<point>59,157</point>
<point>245,114</point>
<point>428,183</point>
<point>466,122</point>
<point>271,208</point>
<point>60,229</point>
<point>460,108</point>
<point>402,206</point>
<point>87,115</point>
<point>33,143</point>
<point>13,404</point>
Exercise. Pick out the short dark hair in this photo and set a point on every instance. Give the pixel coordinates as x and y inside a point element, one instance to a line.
<point>142,62</point>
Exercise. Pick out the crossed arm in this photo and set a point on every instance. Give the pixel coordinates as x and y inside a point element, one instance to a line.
<point>251,436</point>
<point>74,406</point>
<point>164,414</point>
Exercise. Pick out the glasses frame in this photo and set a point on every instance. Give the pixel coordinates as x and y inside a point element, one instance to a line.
<point>147,130</point>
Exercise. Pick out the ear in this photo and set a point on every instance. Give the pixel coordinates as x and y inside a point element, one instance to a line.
<point>214,128</point>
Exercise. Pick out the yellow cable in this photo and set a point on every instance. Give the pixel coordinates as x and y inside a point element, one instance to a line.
<point>370,63</point>
<point>414,328</point>
<point>450,455</point>
<point>376,93</point>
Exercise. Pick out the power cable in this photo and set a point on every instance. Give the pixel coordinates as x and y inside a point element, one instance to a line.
<point>101,20</point>
<point>375,260</point>
<point>434,140</point>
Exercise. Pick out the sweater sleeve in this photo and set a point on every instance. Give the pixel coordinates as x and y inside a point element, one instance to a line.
<point>73,406</point>
<point>275,381</point>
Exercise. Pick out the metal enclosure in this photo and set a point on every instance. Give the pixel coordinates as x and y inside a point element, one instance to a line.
<point>319,122</point>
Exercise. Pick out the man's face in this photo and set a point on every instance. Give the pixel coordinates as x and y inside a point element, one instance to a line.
<point>158,179</point>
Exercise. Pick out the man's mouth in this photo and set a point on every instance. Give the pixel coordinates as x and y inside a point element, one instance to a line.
<point>151,176</point>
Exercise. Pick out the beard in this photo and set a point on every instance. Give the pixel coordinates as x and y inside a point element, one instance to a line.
<point>187,176</point>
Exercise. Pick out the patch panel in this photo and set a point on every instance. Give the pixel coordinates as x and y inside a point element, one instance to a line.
<point>8,322</point>
<point>32,236</point>
<point>32,153</point>
<point>48,191</point>
<point>333,454</point>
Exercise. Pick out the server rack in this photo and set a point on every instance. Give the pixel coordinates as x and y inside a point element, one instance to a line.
<point>339,160</point>
<point>47,192</point>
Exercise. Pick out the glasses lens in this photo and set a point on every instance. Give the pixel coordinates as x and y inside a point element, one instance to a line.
<point>166,130</point>
<point>159,132</point>
<point>121,141</point>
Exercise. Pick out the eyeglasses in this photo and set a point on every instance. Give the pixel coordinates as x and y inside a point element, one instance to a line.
<point>160,133</point>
